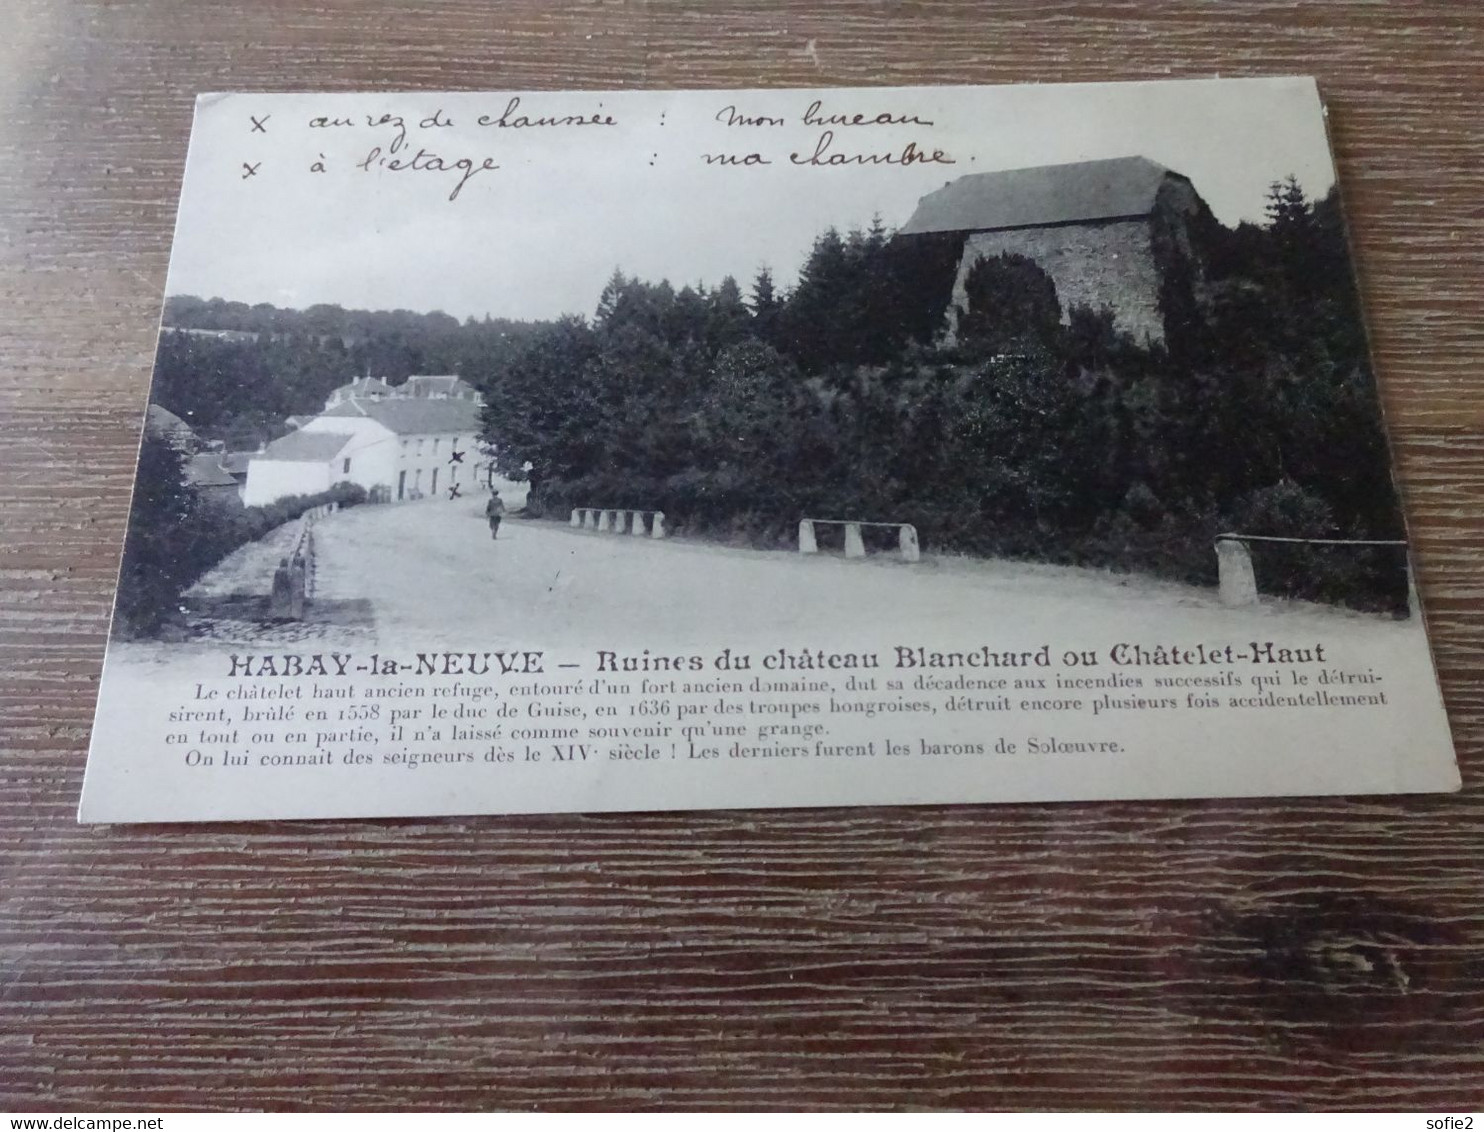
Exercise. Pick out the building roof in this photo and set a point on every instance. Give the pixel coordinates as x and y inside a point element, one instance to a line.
<point>306,447</point>
<point>367,387</point>
<point>411,417</point>
<point>205,470</point>
<point>433,385</point>
<point>161,422</point>
<point>223,335</point>
<point>1046,194</point>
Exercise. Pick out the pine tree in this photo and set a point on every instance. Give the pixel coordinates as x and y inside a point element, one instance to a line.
<point>1287,208</point>
<point>689,319</point>
<point>764,297</point>
<point>613,292</point>
<point>728,318</point>
<point>819,323</point>
<point>766,306</point>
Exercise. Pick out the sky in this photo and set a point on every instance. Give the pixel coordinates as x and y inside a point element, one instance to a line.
<point>282,205</point>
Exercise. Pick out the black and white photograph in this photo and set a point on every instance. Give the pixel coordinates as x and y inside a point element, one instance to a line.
<point>661,450</point>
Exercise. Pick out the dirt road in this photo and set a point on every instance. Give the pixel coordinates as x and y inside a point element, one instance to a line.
<point>433,575</point>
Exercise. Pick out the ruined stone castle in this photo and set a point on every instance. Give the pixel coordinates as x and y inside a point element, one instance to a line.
<point>1106,232</point>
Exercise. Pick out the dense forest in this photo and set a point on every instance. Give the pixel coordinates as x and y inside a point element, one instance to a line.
<point>1031,432</point>
<point>1030,435</point>
<point>239,389</point>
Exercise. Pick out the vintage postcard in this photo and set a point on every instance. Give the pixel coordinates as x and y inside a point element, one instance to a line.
<point>571,451</point>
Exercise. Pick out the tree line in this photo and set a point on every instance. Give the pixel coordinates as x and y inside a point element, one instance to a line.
<point>240,390</point>
<point>1030,432</point>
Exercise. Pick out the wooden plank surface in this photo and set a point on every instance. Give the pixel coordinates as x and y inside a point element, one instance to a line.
<point>1208,954</point>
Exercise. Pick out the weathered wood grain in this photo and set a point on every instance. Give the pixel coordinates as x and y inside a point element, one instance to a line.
<point>1208,954</point>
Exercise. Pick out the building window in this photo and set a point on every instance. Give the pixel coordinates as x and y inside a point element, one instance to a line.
<point>434,489</point>
<point>419,446</point>
<point>435,446</point>
<point>345,467</point>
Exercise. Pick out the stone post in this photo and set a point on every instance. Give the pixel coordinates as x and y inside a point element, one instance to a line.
<point>1234,569</point>
<point>637,526</point>
<point>605,521</point>
<point>620,522</point>
<point>907,540</point>
<point>297,586</point>
<point>587,518</point>
<point>576,518</point>
<point>807,542</point>
<point>279,601</point>
<point>854,548</point>
<point>659,525</point>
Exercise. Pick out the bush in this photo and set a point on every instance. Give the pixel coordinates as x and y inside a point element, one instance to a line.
<point>1368,577</point>
<point>173,539</point>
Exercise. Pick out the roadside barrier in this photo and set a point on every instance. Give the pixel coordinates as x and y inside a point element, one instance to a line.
<point>1238,583</point>
<point>855,547</point>
<point>619,521</point>
<point>293,581</point>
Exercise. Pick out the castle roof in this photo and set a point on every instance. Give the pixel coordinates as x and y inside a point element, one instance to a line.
<point>1113,188</point>
<point>306,447</point>
<point>412,416</point>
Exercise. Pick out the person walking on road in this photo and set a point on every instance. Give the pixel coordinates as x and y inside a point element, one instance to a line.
<point>494,511</point>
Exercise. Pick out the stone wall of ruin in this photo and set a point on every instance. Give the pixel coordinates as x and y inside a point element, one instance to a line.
<point>1104,264</point>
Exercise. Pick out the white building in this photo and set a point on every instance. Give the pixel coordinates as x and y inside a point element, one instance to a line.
<point>417,441</point>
